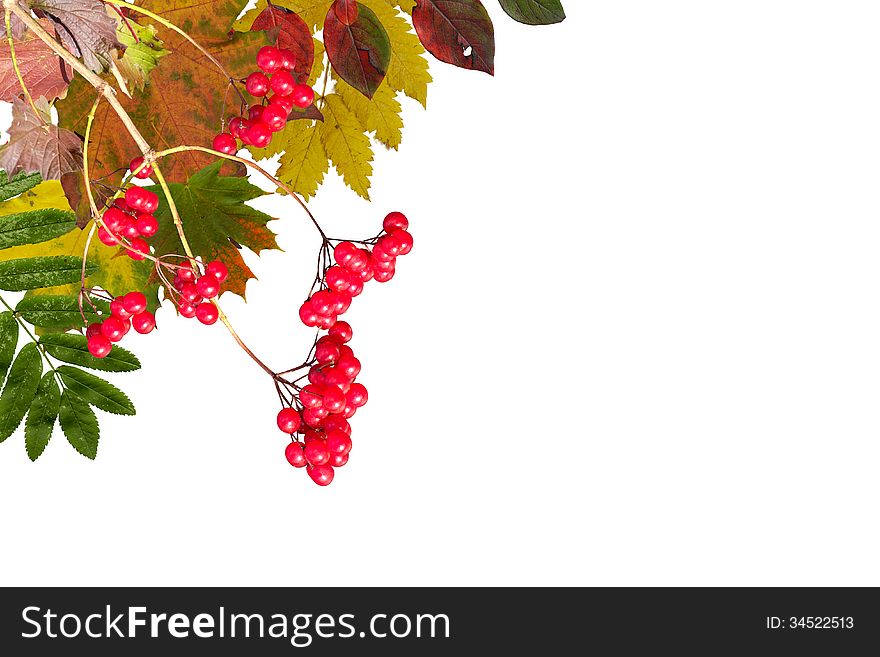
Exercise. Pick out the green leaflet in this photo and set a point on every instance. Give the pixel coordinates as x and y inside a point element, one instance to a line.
<point>96,391</point>
<point>21,386</point>
<point>59,311</point>
<point>534,12</point>
<point>35,226</point>
<point>44,271</point>
<point>41,417</point>
<point>19,184</point>
<point>8,341</point>
<point>72,348</point>
<point>79,424</point>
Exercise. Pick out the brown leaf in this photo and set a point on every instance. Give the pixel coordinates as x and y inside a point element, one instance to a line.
<point>42,70</point>
<point>84,27</point>
<point>18,27</point>
<point>457,32</point>
<point>359,51</point>
<point>289,32</point>
<point>35,145</point>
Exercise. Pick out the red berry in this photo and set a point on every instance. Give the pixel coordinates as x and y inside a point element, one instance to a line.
<point>151,202</point>
<point>257,84</point>
<point>269,59</point>
<point>404,238</point>
<point>314,417</point>
<point>338,460</point>
<point>218,270</point>
<point>383,265</point>
<point>326,353</point>
<point>334,401</point>
<point>341,331</point>
<point>390,244</point>
<point>186,309</point>
<point>190,292</point>
<point>225,143</point>
<point>274,117</point>
<point>343,302</point>
<point>206,313</point>
<point>138,250</point>
<point>289,420</point>
<point>335,377</point>
<point>338,442</point>
<point>326,322</point>
<point>135,197</point>
<point>143,322</point>
<point>135,302</point>
<point>237,125</point>
<point>311,435</point>
<point>311,396</point>
<point>350,366</point>
<point>316,376</point>
<point>295,455</point>
<point>117,308</point>
<point>208,286</point>
<point>395,220</point>
<point>254,113</point>
<point>317,452</point>
<point>244,132</point>
<point>107,238</point>
<point>346,352</point>
<point>93,330</point>
<point>147,225</point>
<point>383,276</point>
<point>119,202</point>
<point>288,59</point>
<point>259,135</point>
<point>282,83</point>
<point>128,229</point>
<point>349,411</point>
<point>186,273</point>
<point>113,219</point>
<point>357,395</point>
<point>307,315</point>
<point>366,273</point>
<point>145,172</point>
<point>379,255</point>
<point>303,95</point>
<point>337,422</point>
<point>321,474</point>
<point>113,328</point>
<point>337,278</point>
<point>285,102</point>
<point>358,262</point>
<point>323,302</point>
<point>344,252</point>
<point>99,346</point>
<point>356,287</point>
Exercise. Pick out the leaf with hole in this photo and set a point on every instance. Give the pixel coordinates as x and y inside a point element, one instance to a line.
<point>96,391</point>
<point>72,348</point>
<point>20,388</point>
<point>41,416</point>
<point>457,32</point>
<point>79,424</point>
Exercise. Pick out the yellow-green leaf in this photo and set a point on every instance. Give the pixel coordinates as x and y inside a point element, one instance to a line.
<point>380,115</point>
<point>304,164</point>
<point>142,55</point>
<point>346,145</point>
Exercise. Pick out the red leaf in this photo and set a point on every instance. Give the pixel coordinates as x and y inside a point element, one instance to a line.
<point>292,34</point>
<point>457,32</point>
<point>359,52</point>
<point>346,11</point>
<point>42,70</point>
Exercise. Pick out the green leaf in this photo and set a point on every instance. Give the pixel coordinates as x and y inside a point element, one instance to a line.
<point>18,184</point>
<point>215,220</point>
<point>79,424</point>
<point>357,45</point>
<point>96,391</point>
<point>534,12</point>
<point>72,348</point>
<point>21,386</point>
<point>141,55</point>
<point>34,226</point>
<point>8,341</point>
<point>59,311</point>
<point>42,271</point>
<point>41,417</point>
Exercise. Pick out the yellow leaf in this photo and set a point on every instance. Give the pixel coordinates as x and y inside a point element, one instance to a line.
<point>304,164</point>
<point>346,145</point>
<point>408,71</point>
<point>381,115</point>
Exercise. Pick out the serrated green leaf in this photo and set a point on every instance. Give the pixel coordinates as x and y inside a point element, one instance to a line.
<point>96,391</point>
<point>72,348</point>
<point>347,146</point>
<point>41,416</point>
<point>21,386</point>
<point>8,341</point>
<point>59,311</point>
<point>34,227</point>
<point>141,54</point>
<point>534,12</point>
<point>18,184</point>
<point>42,271</point>
<point>79,424</point>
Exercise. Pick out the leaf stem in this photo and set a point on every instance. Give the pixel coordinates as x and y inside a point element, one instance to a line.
<point>27,93</point>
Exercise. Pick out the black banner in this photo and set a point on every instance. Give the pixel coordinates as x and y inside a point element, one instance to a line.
<point>422,621</point>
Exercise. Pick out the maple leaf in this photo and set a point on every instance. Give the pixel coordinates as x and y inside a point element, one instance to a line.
<point>346,145</point>
<point>379,115</point>
<point>43,72</point>
<point>141,55</point>
<point>216,220</point>
<point>457,32</point>
<point>184,99</point>
<point>36,145</point>
<point>84,27</point>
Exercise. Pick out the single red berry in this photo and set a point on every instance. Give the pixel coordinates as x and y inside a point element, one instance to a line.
<point>358,262</point>
<point>334,401</point>
<point>335,377</point>
<point>383,265</point>
<point>218,270</point>
<point>128,230</point>
<point>93,330</point>
<point>366,273</point>
<point>99,346</point>
<point>311,396</point>
<point>143,322</point>
<point>346,352</point>
<point>349,411</point>
<point>349,365</point>
<point>289,420</point>
<point>186,309</point>
<point>190,292</point>
<point>138,249</point>
<point>307,315</point>
<point>303,95</point>
<point>282,83</point>
<point>107,238</point>
<point>117,308</point>
<point>135,197</point>
<point>321,474</point>
<point>404,238</point>
<point>206,313</point>
<point>113,328</point>
<point>208,286</point>
<point>295,455</point>
<point>311,435</point>
<point>383,276</point>
<point>357,395</point>
<point>151,202</point>
<point>344,252</point>
<point>337,278</point>
<point>337,422</point>
<point>225,143</point>
<point>135,302</point>
<point>285,102</point>
<point>236,126</point>
<point>255,112</point>
<point>326,322</point>
<point>341,331</point>
<point>257,84</point>
<point>244,132</point>
<point>395,220</point>
<point>381,256</point>
<point>269,59</point>
<point>338,442</point>
<point>288,59</point>
<point>147,225</point>
<point>317,452</point>
<point>186,273</point>
<point>343,302</point>
<point>113,219</point>
<point>119,202</point>
<point>274,117</point>
<point>316,375</point>
<point>356,287</point>
<point>338,460</point>
<point>323,302</point>
<point>390,244</point>
<point>314,417</point>
<point>145,172</point>
<point>326,353</point>
<point>259,135</point>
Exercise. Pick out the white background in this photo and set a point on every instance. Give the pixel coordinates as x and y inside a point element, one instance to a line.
<point>638,340</point>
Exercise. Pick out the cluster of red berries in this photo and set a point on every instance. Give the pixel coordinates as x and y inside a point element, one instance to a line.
<point>332,396</point>
<point>270,116</point>
<point>354,267</point>
<point>126,312</point>
<point>195,291</point>
<point>131,218</point>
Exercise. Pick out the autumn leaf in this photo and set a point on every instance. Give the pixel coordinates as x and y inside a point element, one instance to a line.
<point>183,101</point>
<point>216,219</point>
<point>37,146</point>
<point>312,12</point>
<point>379,115</point>
<point>304,164</point>
<point>357,46</point>
<point>347,146</point>
<point>84,27</point>
<point>18,27</point>
<point>534,12</point>
<point>457,32</point>
<point>286,29</point>
<point>141,56</point>
<point>43,72</point>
